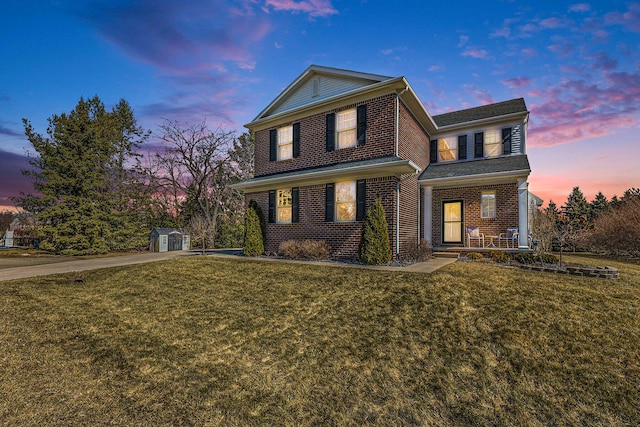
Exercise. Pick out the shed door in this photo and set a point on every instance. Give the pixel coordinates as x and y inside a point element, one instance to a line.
<point>452,222</point>
<point>175,242</point>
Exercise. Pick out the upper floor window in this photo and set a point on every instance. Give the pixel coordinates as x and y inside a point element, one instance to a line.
<point>447,149</point>
<point>492,143</point>
<point>488,204</point>
<point>285,143</point>
<point>346,128</point>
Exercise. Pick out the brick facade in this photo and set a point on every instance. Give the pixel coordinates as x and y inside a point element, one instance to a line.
<point>343,237</point>
<point>506,209</point>
<point>313,153</point>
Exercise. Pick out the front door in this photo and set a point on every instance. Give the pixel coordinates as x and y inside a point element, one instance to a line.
<point>452,222</point>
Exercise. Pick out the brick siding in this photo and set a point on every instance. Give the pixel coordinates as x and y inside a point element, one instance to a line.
<point>380,140</point>
<point>506,209</point>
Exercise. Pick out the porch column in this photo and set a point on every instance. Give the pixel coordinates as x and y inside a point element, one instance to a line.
<point>428,201</point>
<point>523,214</point>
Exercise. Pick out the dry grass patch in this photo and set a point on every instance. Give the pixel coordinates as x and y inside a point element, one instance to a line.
<point>205,341</point>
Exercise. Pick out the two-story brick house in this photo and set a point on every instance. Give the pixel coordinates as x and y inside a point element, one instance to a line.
<point>334,140</point>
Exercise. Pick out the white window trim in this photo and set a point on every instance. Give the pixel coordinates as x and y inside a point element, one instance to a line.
<point>353,129</point>
<point>337,203</point>
<point>492,213</point>
<point>279,198</point>
<point>282,142</point>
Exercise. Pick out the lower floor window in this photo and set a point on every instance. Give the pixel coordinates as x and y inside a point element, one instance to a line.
<point>488,204</point>
<point>283,208</point>
<point>346,201</point>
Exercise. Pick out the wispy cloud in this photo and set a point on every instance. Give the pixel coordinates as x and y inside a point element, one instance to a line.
<point>483,96</point>
<point>516,82</point>
<point>580,7</point>
<point>5,130</point>
<point>312,7</point>
<point>629,19</point>
<point>473,52</point>
<point>13,182</point>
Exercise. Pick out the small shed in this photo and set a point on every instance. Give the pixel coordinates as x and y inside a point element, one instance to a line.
<point>169,239</point>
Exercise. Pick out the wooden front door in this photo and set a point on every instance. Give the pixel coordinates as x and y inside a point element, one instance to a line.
<point>452,222</point>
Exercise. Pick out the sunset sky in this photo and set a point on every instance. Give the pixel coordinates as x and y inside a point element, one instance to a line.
<point>577,64</point>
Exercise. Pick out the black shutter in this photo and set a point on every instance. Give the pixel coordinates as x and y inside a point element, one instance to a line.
<point>462,147</point>
<point>506,141</point>
<point>361,199</point>
<point>329,203</point>
<point>478,146</point>
<point>272,205</point>
<point>296,140</point>
<point>433,151</point>
<point>331,131</point>
<point>362,124</point>
<point>273,145</point>
<point>295,205</point>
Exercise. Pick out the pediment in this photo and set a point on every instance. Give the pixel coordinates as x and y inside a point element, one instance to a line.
<point>317,84</point>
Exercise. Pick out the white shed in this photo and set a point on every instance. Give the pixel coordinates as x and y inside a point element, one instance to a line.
<point>169,239</point>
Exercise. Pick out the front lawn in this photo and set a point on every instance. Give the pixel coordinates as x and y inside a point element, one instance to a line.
<point>207,341</point>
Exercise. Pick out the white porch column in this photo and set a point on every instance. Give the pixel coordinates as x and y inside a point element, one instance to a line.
<point>427,220</point>
<point>523,214</point>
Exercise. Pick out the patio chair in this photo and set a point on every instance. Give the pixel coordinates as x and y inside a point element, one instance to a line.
<point>473,233</point>
<point>511,236</point>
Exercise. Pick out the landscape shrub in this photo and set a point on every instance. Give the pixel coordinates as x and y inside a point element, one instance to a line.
<point>304,249</point>
<point>374,247</point>
<point>263,222</point>
<point>499,256</point>
<point>417,251</point>
<point>547,258</point>
<point>253,240</point>
<point>524,258</point>
<point>473,256</point>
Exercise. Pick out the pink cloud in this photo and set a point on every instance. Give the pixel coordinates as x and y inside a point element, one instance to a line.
<point>312,7</point>
<point>529,51</point>
<point>554,22</point>
<point>475,53</point>
<point>483,96</point>
<point>580,7</point>
<point>516,82</point>
<point>629,19</point>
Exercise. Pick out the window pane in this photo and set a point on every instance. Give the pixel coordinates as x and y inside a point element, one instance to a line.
<point>285,152</point>
<point>284,206</point>
<point>346,120</point>
<point>492,143</point>
<point>346,201</point>
<point>452,212</point>
<point>488,205</point>
<point>284,214</point>
<point>347,138</point>
<point>447,149</point>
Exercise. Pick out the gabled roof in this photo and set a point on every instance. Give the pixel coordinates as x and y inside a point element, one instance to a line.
<point>498,109</point>
<point>458,172</point>
<point>333,82</point>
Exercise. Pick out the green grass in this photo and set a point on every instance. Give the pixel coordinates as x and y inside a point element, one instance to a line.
<point>206,341</point>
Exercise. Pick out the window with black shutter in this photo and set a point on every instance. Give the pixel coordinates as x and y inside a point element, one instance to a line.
<point>272,206</point>
<point>330,131</point>
<point>478,146</point>
<point>462,147</point>
<point>433,151</point>
<point>296,140</point>
<point>273,145</point>
<point>506,141</point>
<point>361,199</point>
<point>329,205</point>
<point>295,205</point>
<point>362,124</point>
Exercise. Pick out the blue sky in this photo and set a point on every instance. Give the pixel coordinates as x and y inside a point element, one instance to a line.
<point>576,64</point>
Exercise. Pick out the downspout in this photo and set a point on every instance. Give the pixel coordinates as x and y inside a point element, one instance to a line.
<point>396,142</point>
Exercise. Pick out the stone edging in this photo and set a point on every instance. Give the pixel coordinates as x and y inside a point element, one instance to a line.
<point>601,272</point>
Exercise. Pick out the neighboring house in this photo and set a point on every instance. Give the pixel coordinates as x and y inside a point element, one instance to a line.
<point>334,140</point>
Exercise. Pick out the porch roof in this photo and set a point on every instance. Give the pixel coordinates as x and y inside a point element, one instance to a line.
<point>371,168</point>
<point>440,174</point>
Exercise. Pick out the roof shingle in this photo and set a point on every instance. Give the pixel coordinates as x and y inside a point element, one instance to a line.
<point>483,112</point>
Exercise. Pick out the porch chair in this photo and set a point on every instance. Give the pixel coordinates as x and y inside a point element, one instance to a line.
<point>473,233</point>
<point>511,235</point>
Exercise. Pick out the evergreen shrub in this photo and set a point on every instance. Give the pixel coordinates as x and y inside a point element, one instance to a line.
<point>374,247</point>
<point>253,241</point>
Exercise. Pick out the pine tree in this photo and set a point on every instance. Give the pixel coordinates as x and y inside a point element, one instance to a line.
<point>374,247</point>
<point>253,243</point>
<point>577,209</point>
<point>598,204</point>
<point>80,172</point>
